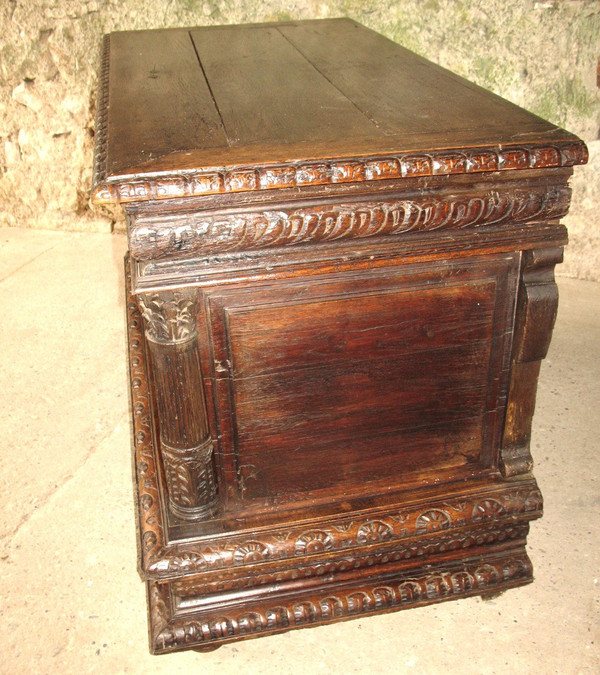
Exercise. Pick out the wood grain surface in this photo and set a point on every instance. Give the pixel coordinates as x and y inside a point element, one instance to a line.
<point>229,97</point>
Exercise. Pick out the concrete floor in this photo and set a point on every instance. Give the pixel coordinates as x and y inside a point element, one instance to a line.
<point>71,597</point>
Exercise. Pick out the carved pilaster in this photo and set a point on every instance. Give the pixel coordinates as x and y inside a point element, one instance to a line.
<point>185,443</point>
<point>536,313</point>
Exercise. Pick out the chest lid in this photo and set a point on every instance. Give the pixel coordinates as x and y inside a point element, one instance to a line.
<point>204,111</point>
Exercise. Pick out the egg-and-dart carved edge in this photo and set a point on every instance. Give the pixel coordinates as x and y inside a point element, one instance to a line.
<point>222,180</point>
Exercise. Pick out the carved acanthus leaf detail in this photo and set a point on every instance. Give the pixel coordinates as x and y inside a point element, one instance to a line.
<point>170,315</point>
<point>190,479</point>
<point>209,233</point>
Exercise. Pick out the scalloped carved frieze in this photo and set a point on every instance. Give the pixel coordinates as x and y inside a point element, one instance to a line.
<point>271,546</point>
<point>406,165</point>
<point>211,233</point>
<point>454,541</point>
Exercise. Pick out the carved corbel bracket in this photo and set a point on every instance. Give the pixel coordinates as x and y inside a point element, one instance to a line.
<point>185,444</point>
<point>537,304</point>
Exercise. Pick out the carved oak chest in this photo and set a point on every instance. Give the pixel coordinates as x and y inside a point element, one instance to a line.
<point>340,290</point>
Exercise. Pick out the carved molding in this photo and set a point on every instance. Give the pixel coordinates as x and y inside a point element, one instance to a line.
<point>206,233</point>
<point>281,545</point>
<point>419,548</point>
<point>512,504</point>
<point>328,602</point>
<point>101,128</point>
<point>193,183</point>
<point>145,465</point>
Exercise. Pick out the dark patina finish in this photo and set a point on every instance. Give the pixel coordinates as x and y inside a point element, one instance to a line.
<point>340,290</point>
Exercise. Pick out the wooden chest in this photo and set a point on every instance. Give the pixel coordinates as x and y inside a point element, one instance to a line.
<point>340,290</point>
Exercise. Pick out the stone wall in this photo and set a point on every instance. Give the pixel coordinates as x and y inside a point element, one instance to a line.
<point>540,55</point>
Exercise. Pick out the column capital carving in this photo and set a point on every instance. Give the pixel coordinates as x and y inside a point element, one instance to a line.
<point>170,316</point>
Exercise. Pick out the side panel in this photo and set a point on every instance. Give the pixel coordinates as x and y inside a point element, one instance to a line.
<point>343,385</point>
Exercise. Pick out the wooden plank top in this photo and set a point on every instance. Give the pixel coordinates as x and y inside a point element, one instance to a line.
<point>186,112</point>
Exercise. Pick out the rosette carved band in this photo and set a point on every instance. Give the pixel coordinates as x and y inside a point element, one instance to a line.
<point>185,443</point>
<point>206,233</point>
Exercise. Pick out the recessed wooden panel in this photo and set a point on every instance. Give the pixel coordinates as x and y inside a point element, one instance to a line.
<point>377,379</point>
